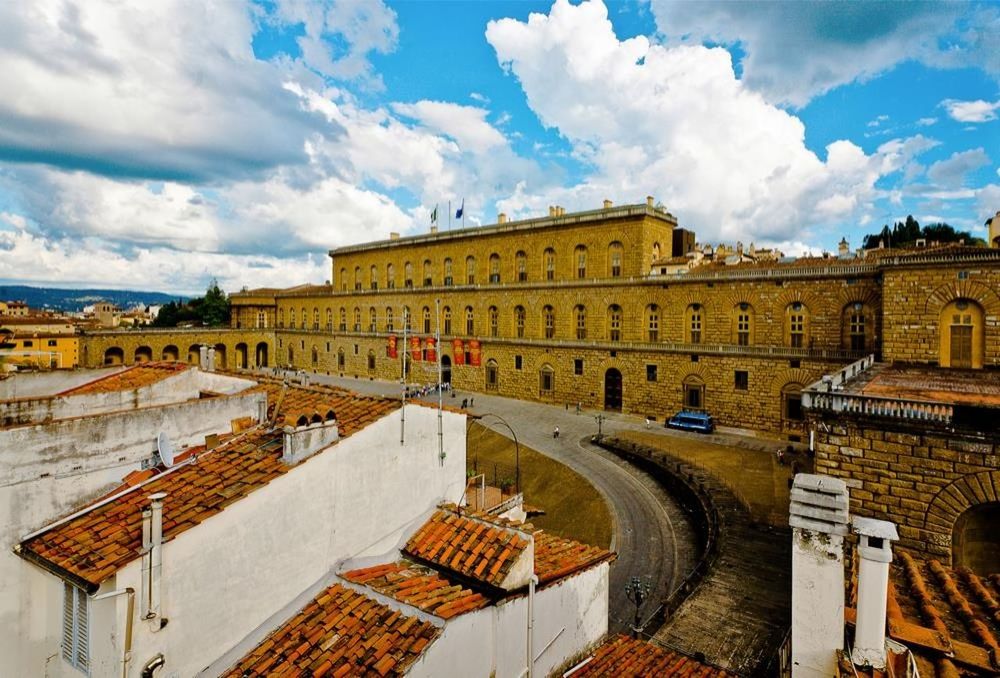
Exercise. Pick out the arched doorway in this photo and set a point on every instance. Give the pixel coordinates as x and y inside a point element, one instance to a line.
<point>613,390</point>
<point>114,356</point>
<point>446,369</point>
<point>220,357</point>
<point>261,356</point>
<point>194,354</point>
<point>241,356</point>
<point>170,352</point>
<point>976,540</point>
<point>143,354</point>
<point>962,335</point>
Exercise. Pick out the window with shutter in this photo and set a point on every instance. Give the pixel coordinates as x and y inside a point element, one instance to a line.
<point>75,631</point>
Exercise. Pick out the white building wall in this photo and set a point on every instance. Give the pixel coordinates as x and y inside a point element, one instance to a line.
<point>222,579</point>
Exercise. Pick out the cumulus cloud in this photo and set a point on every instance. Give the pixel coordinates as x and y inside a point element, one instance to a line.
<point>795,51</point>
<point>677,123</point>
<point>971,111</point>
<point>951,172</point>
<point>465,124</point>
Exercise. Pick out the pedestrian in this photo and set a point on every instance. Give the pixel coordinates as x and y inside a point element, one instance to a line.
<point>472,402</point>
<point>555,433</point>
<point>781,457</point>
<point>579,406</point>
<point>647,422</point>
<point>465,403</point>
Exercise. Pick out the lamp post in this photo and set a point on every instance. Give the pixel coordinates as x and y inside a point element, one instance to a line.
<point>637,591</point>
<point>600,425</point>
<point>517,447</point>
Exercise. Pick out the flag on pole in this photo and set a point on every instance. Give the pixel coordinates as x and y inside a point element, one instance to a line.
<point>461,210</point>
<point>434,215</point>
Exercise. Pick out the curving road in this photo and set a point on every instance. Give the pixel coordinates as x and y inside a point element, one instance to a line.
<point>651,533</point>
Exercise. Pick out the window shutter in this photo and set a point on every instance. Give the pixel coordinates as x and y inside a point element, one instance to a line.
<point>76,628</point>
<point>68,628</point>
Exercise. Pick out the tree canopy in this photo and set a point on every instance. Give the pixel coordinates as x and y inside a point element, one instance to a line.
<point>211,310</point>
<point>906,233</point>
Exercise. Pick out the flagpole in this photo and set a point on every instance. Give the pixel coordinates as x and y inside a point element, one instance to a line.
<point>463,213</point>
<point>402,411</point>
<point>437,311</point>
<point>449,215</point>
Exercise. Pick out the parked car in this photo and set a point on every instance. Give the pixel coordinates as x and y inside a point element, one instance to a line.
<point>687,420</point>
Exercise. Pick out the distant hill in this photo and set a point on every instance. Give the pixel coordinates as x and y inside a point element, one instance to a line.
<point>74,300</point>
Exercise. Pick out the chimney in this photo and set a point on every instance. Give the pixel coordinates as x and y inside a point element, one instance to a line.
<point>434,229</point>
<point>649,201</point>
<point>843,249</point>
<point>739,249</point>
<point>152,555</point>
<point>211,358</point>
<point>203,357</point>
<point>393,235</point>
<point>875,539</point>
<point>501,218</point>
<point>552,210</point>
<point>818,518</point>
<point>303,441</point>
<point>607,204</point>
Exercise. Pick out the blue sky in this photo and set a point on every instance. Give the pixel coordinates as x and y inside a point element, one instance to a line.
<point>163,145</point>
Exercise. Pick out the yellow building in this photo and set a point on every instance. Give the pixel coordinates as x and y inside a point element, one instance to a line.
<point>568,308</point>
<point>42,351</point>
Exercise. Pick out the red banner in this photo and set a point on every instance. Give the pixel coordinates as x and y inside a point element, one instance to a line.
<point>431,353</point>
<point>457,352</point>
<point>474,352</point>
<point>391,351</point>
<point>415,348</point>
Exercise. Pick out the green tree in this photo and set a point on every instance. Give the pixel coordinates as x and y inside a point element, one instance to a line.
<point>214,307</point>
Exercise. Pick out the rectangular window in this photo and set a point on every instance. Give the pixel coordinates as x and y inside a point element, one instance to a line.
<point>743,329</point>
<point>742,380</point>
<point>75,629</point>
<point>696,328</point>
<point>547,381</point>
<point>578,366</point>
<point>650,372</point>
<point>52,342</point>
<point>796,329</point>
<point>29,344</point>
<point>517,362</point>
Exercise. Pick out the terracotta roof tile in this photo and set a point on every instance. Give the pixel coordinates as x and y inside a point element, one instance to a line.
<point>556,558</point>
<point>419,586</point>
<point>340,632</point>
<point>352,411</point>
<point>624,657</point>
<point>134,377</point>
<point>468,546</point>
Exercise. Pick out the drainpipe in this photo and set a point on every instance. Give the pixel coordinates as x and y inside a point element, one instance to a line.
<point>875,538</point>
<point>531,625</point>
<point>127,653</point>
<point>150,667</point>
<point>152,543</point>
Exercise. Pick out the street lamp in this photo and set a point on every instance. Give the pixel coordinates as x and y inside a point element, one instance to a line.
<point>517,447</point>
<point>600,425</point>
<point>637,591</point>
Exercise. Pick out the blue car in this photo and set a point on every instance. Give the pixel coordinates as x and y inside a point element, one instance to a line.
<point>692,421</point>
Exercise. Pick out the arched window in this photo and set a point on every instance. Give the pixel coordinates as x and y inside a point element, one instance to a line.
<point>797,325</point>
<point>614,322</point>
<point>693,318</point>
<point>448,280</point>
<point>494,268</point>
<point>343,319</point>
<point>580,314</point>
<point>446,312</point>
<point>407,319</point>
<point>521,263</point>
<point>743,321</point>
<point>388,319</point>
<point>371,362</point>
<point>962,335</point>
<point>357,277</point>
<point>305,318</point>
<point>492,375</point>
<point>315,318</point>
<point>470,321</point>
<point>693,388</point>
<point>329,320</point>
<point>494,317</point>
<point>519,321</point>
<point>373,277</point>
<point>976,540</point>
<point>652,323</point>
<point>549,261</point>
<point>261,319</point>
<point>856,325</point>
<point>343,281</point>
<point>340,358</point>
<point>580,256</point>
<point>407,274</point>
<point>281,317</point>
<point>428,273</point>
<point>315,356</point>
<point>791,402</point>
<point>615,252</point>
<point>372,320</point>
<point>291,318</point>
<point>390,276</point>
<point>470,270</point>
<point>656,251</point>
<point>546,380</point>
<point>549,322</point>
<point>291,356</point>
<point>427,320</point>
<point>357,319</point>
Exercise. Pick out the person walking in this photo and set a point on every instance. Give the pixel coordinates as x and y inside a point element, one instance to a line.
<point>555,433</point>
<point>647,422</point>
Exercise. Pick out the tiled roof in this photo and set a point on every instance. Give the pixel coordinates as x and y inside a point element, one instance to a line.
<point>420,587</point>
<point>471,547</point>
<point>556,557</point>
<point>131,378</point>
<point>625,657</point>
<point>352,411</point>
<point>339,633</point>
<point>950,619</point>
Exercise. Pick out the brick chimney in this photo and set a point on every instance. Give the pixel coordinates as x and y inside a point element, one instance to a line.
<point>818,518</point>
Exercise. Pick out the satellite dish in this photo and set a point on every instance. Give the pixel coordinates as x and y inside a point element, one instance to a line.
<point>165,448</point>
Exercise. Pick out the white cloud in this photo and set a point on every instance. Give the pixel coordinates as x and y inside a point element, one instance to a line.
<point>796,51</point>
<point>926,122</point>
<point>465,124</point>
<point>951,172</point>
<point>971,111</point>
<point>675,122</point>
<point>878,121</point>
